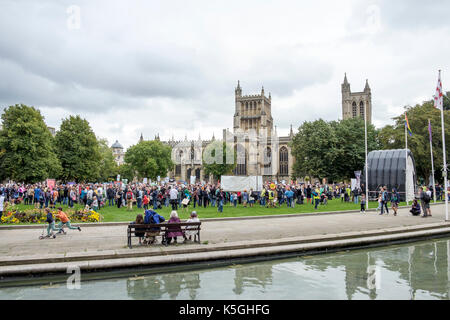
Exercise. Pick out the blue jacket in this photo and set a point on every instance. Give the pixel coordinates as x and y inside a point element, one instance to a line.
<point>152,217</point>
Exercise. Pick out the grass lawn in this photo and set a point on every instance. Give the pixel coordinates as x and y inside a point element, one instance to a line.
<point>113,214</point>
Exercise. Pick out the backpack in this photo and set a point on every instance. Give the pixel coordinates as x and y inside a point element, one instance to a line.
<point>426,197</point>
<point>129,195</point>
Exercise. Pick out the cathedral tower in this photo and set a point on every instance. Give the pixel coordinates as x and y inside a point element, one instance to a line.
<point>252,111</point>
<point>354,103</point>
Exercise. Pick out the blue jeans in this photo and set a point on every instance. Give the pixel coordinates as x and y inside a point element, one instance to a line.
<point>235,203</point>
<point>65,200</point>
<point>220,206</point>
<point>139,203</point>
<point>263,201</point>
<point>213,202</point>
<point>356,199</point>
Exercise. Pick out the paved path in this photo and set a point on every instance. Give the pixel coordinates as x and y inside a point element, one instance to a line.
<point>24,242</point>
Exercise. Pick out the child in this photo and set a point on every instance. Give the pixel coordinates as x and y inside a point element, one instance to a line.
<point>380,202</point>
<point>363,203</point>
<point>64,221</point>
<point>145,202</point>
<point>95,204</point>
<point>51,223</point>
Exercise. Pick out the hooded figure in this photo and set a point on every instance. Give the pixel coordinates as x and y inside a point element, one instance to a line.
<point>153,217</point>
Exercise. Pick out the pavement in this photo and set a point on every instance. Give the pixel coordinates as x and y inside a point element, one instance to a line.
<point>105,246</point>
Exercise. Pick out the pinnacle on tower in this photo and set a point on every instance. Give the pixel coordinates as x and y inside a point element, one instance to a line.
<point>367,88</point>
<point>238,90</point>
<point>262,91</point>
<point>141,138</point>
<point>291,133</point>
<point>345,79</point>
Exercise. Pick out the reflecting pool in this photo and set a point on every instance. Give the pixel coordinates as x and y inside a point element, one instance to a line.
<point>414,271</point>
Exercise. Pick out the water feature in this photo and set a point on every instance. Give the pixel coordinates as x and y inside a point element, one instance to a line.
<point>413,271</point>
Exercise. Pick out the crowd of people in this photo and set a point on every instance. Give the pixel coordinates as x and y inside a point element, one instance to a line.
<point>179,196</point>
<point>145,196</point>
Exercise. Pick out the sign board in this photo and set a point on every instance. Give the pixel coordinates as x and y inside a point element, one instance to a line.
<point>158,178</point>
<point>145,181</point>
<point>231,183</point>
<point>193,178</point>
<point>354,184</point>
<point>51,183</point>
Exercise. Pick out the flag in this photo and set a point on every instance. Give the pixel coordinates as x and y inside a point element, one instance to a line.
<point>429,130</point>
<point>438,97</point>
<point>407,125</point>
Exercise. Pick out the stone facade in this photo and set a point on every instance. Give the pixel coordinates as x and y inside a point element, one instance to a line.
<point>259,150</point>
<point>354,103</point>
<point>118,153</point>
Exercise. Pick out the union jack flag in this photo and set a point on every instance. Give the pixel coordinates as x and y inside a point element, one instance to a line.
<point>439,97</point>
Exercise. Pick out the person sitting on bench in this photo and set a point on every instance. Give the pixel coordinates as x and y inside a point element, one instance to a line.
<point>174,231</point>
<point>139,220</point>
<point>189,233</point>
<point>151,217</point>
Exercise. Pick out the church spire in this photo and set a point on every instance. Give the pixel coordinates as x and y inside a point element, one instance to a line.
<point>141,138</point>
<point>262,91</point>
<point>238,91</point>
<point>345,79</point>
<point>367,88</point>
<point>291,133</point>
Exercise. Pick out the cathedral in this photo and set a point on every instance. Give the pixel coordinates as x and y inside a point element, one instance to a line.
<point>259,151</point>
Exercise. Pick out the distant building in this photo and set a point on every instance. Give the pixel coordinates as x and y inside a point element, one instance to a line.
<point>118,153</point>
<point>52,130</point>
<point>354,103</point>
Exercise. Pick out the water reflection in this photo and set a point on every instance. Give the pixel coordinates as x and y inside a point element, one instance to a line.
<point>420,271</point>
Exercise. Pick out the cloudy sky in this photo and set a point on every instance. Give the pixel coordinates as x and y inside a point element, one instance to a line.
<point>171,67</point>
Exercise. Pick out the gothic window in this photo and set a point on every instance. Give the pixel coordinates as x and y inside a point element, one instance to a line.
<point>267,162</point>
<point>241,159</point>
<point>197,174</point>
<point>192,153</point>
<point>179,158</point>
<point>284,161</point>
<point>354,110</point>
<point>188,175</point>
<point>361,109</point>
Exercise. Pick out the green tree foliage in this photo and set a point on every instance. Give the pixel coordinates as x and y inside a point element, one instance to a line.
<point>126,172</point>
<point>78,150</point>
<point>219,159</point>
<point>393,137</point>
<point>149,159</point>
<point>108,167</point>
<point>26,146</point>
<point>332,150</point>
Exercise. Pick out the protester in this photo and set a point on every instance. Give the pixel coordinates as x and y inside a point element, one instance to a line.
<point>174,231</point>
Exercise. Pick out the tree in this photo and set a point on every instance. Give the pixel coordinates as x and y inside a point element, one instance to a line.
<point>149,159</point>
<point>78,150</point>
<point>126,172</point>
<point>313,148</point>
<point>108,166</point>
<point>26,146</point>
<point>332,150</point>
<point>219,159</point>
<point>393,137</point>
<point>349,152</point>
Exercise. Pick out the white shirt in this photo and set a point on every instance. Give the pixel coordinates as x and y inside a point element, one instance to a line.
<point>173,194</point>
<point>2,201</point>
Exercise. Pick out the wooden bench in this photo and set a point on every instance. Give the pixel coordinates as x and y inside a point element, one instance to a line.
<point>164,228</point>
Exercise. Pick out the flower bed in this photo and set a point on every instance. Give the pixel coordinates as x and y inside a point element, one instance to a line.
<point>14,216</point>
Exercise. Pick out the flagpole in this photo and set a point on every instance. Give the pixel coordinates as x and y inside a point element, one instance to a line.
<point>367,164</point>
<point>441,105</point>
<point>432,162</point>
<point>406,160</point>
